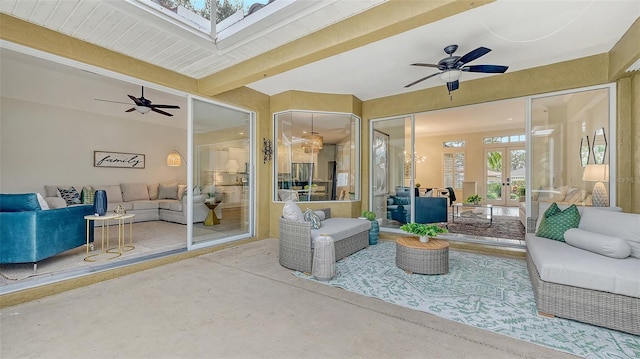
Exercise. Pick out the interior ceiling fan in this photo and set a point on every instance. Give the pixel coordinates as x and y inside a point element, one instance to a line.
<point>451,67</point>
<point>144,105</point>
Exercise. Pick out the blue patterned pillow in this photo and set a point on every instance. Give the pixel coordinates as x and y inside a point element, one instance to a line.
<point>313,218</point>
<point>403,200</point>
<point>70,195</point>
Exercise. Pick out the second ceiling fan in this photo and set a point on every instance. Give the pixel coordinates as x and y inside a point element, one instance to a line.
<point>451,67</point>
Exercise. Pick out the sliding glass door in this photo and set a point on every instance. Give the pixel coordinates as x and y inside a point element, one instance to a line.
<point>221,178</point>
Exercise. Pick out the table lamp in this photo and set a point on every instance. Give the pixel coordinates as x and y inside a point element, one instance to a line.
<point>598,174</point>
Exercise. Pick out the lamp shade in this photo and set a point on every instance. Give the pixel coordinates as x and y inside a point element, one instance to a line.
<point>596,173</point>
<point>173,160</point>
<point>232,166</point>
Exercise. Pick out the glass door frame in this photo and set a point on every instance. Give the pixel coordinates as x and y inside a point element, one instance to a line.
<point>190,175</point>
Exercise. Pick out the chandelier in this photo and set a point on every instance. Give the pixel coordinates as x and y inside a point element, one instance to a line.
<point>409,158</point>
<point>313,142</point>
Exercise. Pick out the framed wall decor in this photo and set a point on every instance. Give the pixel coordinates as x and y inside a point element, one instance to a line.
<point>118,159</point>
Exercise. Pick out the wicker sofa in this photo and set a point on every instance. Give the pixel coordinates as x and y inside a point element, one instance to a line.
<point>578,284</point>
<point>296,239</point>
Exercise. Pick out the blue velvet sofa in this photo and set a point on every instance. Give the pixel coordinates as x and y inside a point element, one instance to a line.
<point>428,209</point>
<point>29,234</point>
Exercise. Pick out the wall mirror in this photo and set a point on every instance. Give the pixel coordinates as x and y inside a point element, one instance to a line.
<point>599,147</point>
<point>585,151</point>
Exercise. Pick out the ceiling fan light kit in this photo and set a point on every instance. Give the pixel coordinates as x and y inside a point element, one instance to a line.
<point>451,67</point>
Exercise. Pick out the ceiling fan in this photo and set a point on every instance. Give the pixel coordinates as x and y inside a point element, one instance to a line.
<point>451,67</point>
<point>144,105</point>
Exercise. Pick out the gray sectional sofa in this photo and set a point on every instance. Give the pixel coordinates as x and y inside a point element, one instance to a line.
<point>596,278</point>
<point>149,202</point>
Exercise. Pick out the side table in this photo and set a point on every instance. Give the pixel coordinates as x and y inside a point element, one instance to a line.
<point>424,258</point>
<point>104,235</point>
<point>324,258</point>
<point>211,219</point>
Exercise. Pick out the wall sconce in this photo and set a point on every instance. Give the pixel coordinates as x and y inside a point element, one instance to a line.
<point>174,159</point>
<point>267,149</point>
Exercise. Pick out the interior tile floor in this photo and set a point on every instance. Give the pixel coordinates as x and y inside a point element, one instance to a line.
<point>237,303</point>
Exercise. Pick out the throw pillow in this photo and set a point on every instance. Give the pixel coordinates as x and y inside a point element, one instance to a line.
<point>403,200</point>
<point>554,225</point>
<point>613,247</point>
<point>613,223</point>
<point>321,215</point>
<point>182,190</point>
<point>311,217</point>
<point>114,192</point>
<point>87,195</point>
<point>70,195</point>
<point>153,191</point>
<point>134,191</point>
<point>168,191</point>
<point>292,212</point>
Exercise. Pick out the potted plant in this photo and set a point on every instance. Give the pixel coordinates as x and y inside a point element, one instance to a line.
<point>475,199</point>
<point>424,231</point>
<point>522,190</point>
<point>374,232</point>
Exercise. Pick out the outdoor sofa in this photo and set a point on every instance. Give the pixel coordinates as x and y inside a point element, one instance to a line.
<point>598,285</point>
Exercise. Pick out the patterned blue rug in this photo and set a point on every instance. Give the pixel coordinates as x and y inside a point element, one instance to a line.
<point>487,292</point>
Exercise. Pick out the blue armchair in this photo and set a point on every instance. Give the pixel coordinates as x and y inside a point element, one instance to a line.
<point>29,234</point>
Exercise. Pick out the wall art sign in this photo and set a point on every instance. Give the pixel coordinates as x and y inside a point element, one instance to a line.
<point>118,159</point>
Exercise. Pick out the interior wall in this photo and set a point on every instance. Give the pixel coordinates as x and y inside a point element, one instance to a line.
<point>48,145</point>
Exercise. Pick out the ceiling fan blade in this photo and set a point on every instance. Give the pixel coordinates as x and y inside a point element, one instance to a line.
<point>422,79</point>
<point>124,103</point>
<point>163,106</point>
<point>453,85</point>
<point>131,109</point>
<point>136,100</point>
<point>472,55</point>
<point>426,65</point>
<point>491,69</point>
<point>160,111</point>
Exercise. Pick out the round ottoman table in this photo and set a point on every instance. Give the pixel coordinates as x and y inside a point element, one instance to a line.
<point>424,258</point>
<point>324,258</point>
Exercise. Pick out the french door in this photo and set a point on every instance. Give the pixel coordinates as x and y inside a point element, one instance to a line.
<point>504,174</point>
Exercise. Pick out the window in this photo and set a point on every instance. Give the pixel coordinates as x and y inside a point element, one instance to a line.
<point>504,139</point>
<point>453,169</point>
<point>448,144</point>
<point>316,156</point>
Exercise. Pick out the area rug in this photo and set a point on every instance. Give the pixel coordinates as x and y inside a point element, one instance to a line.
<point>502,227</point>
<point>487,292</point>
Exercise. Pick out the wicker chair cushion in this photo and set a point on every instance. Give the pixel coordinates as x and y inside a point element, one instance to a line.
<point>613,247</point>
<point>341,228</point>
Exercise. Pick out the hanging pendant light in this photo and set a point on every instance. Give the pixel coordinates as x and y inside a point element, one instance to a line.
<point>313,142</point>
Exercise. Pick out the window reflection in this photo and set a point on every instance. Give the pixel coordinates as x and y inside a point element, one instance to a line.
<point>316,156</point>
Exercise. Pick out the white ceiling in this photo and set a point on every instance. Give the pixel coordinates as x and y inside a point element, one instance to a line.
<point>522,34</point>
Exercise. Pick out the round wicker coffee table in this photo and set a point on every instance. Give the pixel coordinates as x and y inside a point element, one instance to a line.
<point>424,258</point>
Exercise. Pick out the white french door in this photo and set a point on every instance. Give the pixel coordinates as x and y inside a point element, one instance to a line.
<point>504,174</point>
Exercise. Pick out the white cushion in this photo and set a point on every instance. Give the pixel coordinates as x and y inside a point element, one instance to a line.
<point>153,191</point>
<point>613,247</point>
<point>172,205</point>
<point>168,191</point>
<point>114,193</point>
<point>288,195</point>
<point>43,204</point>
<point>134,191</point>
<point>560,263</point>
<point>321,215</point>
<point>292,212</point>
<point>56,202</point>
<point>51,191</point>
<point>615,224</point>
<point>145,204</point>
<point>181,189</point>
<point>341,228</point>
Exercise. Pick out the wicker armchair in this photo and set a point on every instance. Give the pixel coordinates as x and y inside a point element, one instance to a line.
<point>295,243</point>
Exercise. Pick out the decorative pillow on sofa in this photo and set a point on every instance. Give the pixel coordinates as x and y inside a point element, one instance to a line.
<point>402,200</point>
<point>292,211</point>
<point>153,191</point>
<point>134,191</point>
<point>321,215</point>
<point>70,195</point>
<point>311,217</point>
<point>613,247</point>
<point>614,223</point>
<point>87,195</point>
<point>556,222</point>
<point>168,191</point>
<point>43,204</point>
<point>182,191</point>
<point>114,193</point>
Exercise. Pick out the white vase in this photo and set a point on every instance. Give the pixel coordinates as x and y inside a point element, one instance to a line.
<point>424,239</point>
